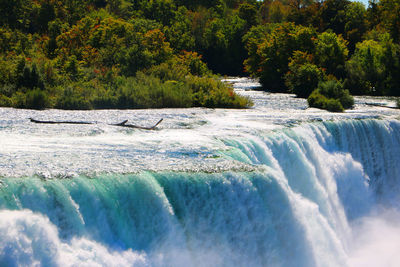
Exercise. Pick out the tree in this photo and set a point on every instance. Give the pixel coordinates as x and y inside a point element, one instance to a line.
<point>270,60</point>
<point>303,75</point>
<point>160,10</point>
<point>390,17</point>
<point>179,33</point>
<point>331,53</point>
<point>374,67</point>
<point>248,12</point>
<point>222,44</point>
<point>356,24</point>
<point>333,15</point>
<point>277,12</point>
<point>46,14</point>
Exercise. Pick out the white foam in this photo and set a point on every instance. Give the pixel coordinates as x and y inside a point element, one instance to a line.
<point>29,239</point>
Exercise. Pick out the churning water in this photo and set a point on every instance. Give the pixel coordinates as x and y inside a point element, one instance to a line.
<point>275,185</point>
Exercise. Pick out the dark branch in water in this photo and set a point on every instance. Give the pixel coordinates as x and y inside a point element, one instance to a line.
<point>121,124</point>
<point>61,122</point>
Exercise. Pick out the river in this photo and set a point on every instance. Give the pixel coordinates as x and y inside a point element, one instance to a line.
<point>279,184</point>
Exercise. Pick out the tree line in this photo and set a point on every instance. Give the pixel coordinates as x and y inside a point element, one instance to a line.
<point>163,53</point>
<point>327,50</point>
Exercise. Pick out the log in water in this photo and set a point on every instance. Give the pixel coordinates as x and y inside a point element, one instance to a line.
<point>121,124</point>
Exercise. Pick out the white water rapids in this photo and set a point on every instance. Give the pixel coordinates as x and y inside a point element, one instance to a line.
<point>279,184</point>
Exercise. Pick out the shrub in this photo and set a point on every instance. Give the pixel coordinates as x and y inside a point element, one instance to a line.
<point>168,71</point>
<point>70,99</point>
<point>105,100</point>
<point>331,96</point>
<point>18,100</point>
<point>176,94</point>
<point>346,99</point>
<point>334,89</point>
<point>36,99</point>
<point>5,101</point>
<point>212,93</point>
<point>334,105</point>
<point>317,100</point>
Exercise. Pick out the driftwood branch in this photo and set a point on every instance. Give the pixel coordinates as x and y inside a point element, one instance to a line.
<point>121,124</point>
<point>61,122</point>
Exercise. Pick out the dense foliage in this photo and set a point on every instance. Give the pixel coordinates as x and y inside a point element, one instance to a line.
<point>313,48</point>
<point>119,54</point>
<point>330,95</point>
<point>162,53</point>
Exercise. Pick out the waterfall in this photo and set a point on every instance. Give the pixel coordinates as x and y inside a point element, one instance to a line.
<point>308,194</point>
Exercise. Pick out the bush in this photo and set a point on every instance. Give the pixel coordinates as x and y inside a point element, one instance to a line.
<point>147,91</point>
<point>212,93</point>
<point>36,99</point>
<point>317,100</point>
<point>172,84</point>
<point>334,105</point>
<point>105,100</point>
<point>18,100</point>
<point>334,89</point>
<point>331,96</point>
<point>346,99</point>
<point>70,99</point>
<point>5,101</point>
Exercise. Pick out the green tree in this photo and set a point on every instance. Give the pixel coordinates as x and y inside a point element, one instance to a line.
<point>160,10</point>
<point>303,76</point>
<point>46,14</point>
<point>333,15</point>
<point>331,53</point>
<point>223,48</point>
<point>270,60</point>
<point>356,24</point>
<point>37,99</point>
<point>248,12</point>
<point>179,33</point>
<point>374,67</point>
<point>390,17</point>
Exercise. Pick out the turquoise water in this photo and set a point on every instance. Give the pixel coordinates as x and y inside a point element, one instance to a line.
<point>310,189</point>
<point>276,185</point>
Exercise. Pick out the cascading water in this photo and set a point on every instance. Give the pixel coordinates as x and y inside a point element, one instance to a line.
<point>316,194</point>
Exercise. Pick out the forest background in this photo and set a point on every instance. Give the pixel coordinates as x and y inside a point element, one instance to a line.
<point>163,53</point>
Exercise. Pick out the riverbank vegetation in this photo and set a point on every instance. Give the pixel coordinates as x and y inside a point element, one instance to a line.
<point>163,53</point>
<point>104,54</point>
<point>327,50</point>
